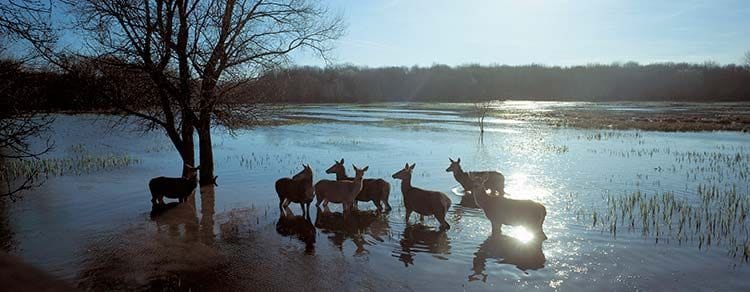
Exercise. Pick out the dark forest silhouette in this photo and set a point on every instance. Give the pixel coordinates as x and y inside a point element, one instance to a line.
<point>80,90</point>
<point>629,81</point>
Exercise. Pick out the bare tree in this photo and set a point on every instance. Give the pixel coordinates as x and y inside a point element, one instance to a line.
<point>187,57</point>
<point>481,108</point>
<point>19,123</point>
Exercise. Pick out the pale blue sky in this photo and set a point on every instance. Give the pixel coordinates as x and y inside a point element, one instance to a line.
<point>558,32</point>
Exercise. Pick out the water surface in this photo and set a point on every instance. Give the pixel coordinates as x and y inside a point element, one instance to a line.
<point>97,230</point>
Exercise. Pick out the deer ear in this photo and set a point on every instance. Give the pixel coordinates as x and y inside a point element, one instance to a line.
<point>342,161</point>
<point>458,160</point>
<point>412,166</point>
<point>451,159</point>
<point>366,168</point>
<point>355,167</point>
<point>406,166</point>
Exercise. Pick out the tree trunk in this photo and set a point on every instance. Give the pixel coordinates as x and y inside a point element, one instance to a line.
<point>206,153</point>
<point>188,145</point>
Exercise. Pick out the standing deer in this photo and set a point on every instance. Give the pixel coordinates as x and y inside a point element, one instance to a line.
<point>173,187</point>
<point>501,210</point>
<point>423,202</point>
<point>298,189</point>
<point>344,192</point>
<point>493,180</point>
<point>375,190</point>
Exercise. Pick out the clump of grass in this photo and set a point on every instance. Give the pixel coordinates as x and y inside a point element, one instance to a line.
<point>79,164</point>
<point>558,149</point>
<point>718,218</point>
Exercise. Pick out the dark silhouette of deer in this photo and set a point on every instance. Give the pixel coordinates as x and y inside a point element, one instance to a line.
<point>354,228</point>
<point>423,202</point>
<point>173,187</point>
<point>493,180</point>
<point>342,192</point>
<point>298,226</point>
<point>297,189</point>
<point>501,210</point>
<point>376,191</point>
<point>418,238</point>
<point>507,250</point>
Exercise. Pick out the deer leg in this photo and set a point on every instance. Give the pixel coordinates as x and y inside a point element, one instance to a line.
<point>377,205</point>
<point>281,204</point>
<point>421,218</point>
<point>153,200</point>
<point>408,214</point>
<point>496,229</point>
<point>443,223</point>
<point>161,200</point>
<point>387,205</point>
<point>302,207</point>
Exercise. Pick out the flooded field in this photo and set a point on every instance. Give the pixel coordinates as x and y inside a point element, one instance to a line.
<point>626,209</point>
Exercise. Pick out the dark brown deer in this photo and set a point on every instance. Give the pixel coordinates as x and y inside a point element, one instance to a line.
<point>493,180</point>
<point>423,202</point>
<point>298,189</point>
<point>173,187</point>
<point>344,192</point>
<point>501,210</point>
<point>376,191</point>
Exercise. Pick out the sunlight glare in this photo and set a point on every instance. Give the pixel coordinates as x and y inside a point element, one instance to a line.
<point>520,233</point>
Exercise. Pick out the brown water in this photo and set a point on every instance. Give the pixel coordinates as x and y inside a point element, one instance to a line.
<point>97,230</point>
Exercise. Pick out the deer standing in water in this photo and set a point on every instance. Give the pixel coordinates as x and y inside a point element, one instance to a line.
<point>344,192</point>
<point>173,187</point>
<point>493,180</point>
<point>375,190</point>
<point>501,210</point>
<point>298,189</point>
<point>423,202</point>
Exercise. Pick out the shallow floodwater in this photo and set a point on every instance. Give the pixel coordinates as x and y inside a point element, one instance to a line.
<point>97,230</point>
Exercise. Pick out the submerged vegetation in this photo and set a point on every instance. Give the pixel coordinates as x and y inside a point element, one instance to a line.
<point>80,161</point>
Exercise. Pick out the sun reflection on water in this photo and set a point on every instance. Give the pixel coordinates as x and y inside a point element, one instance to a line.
<point>520,233</point>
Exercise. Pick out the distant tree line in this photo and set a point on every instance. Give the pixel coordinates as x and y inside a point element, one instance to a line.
<point>629,81</point>
<point>83,89</point>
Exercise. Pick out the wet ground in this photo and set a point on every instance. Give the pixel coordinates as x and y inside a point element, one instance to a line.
<point>97,230</point>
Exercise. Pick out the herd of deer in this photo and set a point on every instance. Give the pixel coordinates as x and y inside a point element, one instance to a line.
<point>483,189</point>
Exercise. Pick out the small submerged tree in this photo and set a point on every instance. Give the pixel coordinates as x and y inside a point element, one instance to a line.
<point>481,109</point>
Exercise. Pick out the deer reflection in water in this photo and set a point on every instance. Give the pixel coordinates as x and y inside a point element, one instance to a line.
<point>179,255</point>
<point>355,227</point>
<point>507,250</point>
<point>175,215</point>
<point>298,226</point>
<point>418,238</point>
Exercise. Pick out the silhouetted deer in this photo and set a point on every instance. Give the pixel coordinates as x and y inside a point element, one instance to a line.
<point>174,187</point>
<point>375,190</point>
<point>424,202</point>
<point>493,180</point>
<point>298,189</point>
<point>501,210</point>
<point>344,192</point>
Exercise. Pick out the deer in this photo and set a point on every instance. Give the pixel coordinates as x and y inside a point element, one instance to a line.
<point>297,189</point>
<point>344,191</point>
<point>375,190</point>
<point>174,187</point>
<point>501,210</point>
<point>493,180</point>
<point>424,202</point>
